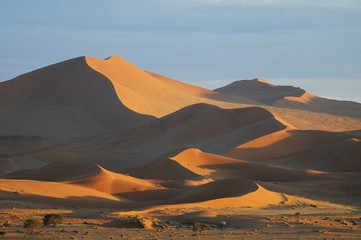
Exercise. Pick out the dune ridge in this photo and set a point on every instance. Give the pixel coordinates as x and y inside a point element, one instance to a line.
<point>145,92</point>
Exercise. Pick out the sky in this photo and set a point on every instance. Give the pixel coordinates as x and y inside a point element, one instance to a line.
<point>313,44</point>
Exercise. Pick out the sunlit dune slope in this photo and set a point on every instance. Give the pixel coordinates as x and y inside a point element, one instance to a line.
<point>113,183</point>
<point>38,189</point>
<point>150,93</point>
<point>283,143</point>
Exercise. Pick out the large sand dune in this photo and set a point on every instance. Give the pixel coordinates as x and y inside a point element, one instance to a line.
<point>63,100</point>
<point>150,93</point>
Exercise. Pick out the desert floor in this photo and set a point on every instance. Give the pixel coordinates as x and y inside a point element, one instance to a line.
<point>273,222</point>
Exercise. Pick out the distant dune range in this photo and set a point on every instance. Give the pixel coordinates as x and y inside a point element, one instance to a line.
<point>88,131</point>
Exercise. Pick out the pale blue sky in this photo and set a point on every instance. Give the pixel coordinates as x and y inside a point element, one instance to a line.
<point>314,44</point>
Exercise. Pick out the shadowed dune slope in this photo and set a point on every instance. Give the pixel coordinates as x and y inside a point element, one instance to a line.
<point>56,172</point>
<point>64,100</point>
<point>218,189</point>
<point>164,169</point>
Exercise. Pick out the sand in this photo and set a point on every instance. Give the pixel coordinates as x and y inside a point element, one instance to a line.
<point>103,142</point>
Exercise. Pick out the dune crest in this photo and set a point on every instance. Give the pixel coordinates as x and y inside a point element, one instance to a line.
<point>306,98</point>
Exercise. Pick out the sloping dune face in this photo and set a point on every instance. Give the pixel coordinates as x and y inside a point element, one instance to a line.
<point>146,92</point>
<point>62,100</point>
<point>283,143</point>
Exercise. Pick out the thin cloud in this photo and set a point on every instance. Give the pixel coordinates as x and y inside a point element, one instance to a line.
<point>319,3</point>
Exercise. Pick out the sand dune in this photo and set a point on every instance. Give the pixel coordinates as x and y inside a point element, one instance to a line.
<point>113,183</point>
<point>150,93</point>
<point>220,167</point>
<point>342,156</point>
<point>261,90</point>
<point>187,127</point>
<point>62,100</point>
<point>283,143</point>
<point>164,169</point>
<point>87,175</point>
<point>289,97</point>
<point>225,192</point>
<point>196,158</point>
<point>39,189</point>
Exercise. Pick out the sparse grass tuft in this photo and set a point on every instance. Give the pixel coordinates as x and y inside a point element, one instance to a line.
<point>200,227</point>
<point>32,224</point>
<point>52,219</point>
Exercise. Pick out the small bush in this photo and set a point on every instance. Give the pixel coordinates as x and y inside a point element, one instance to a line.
<point>222,225</point>
<point>32,224</point>
<point>200,227</point>
<point>132,222</point>
<point>297,214</point>
<point>6,224</point>
<point>52,219</point>
<point>2,233</point>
